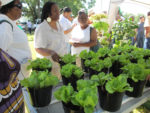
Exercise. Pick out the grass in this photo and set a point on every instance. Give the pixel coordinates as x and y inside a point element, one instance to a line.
<point>31,44</point>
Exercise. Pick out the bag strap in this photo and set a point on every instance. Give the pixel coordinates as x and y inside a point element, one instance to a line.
<point>91,28</point>
<point>2,21</point>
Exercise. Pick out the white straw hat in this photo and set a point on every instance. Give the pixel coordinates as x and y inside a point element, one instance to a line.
<point>5,2</point>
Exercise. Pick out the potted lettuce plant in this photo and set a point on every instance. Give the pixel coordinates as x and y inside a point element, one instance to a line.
<point>40,85</point>
<point>111,90</point>
<point>70,74</point>
<point>83,100</point>
<point>40,64</point>
<point>97,65</point>
<point>86,95</point>
<point>84,55</point>
<point>66,59</point>
<point>64,94</point>
<point>137,78</point>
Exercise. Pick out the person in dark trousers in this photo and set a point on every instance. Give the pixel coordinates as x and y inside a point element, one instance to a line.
<point>140,33</point>
<point>29,24</point>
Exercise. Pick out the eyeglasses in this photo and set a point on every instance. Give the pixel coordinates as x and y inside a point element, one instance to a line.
<point>18,5</point>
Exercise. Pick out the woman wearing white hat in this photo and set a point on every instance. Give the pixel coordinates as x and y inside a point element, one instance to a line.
<point>12,39</point>
<point>14,42</point>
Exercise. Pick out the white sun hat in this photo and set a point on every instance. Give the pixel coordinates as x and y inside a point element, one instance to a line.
<point>5,2</point>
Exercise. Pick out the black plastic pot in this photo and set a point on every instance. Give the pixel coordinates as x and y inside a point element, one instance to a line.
<point>41,97</point>
<point>73,79</point>
<point>105,70</point>
<point>137,88</point>
<point>62,63</point>
<point>116,68</point>
<point>110,102</point>
<point>39,69</point>
<point>133,60</point>
<point>70,108</point>
<point>92,72</point>
<point>147,83</point>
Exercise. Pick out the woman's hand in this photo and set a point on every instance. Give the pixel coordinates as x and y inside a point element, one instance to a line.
<point>148,78</point>
<point>55,56</point>
<point>76,44</point>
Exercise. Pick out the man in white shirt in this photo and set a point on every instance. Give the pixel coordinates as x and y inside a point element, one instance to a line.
<point>67,25</point>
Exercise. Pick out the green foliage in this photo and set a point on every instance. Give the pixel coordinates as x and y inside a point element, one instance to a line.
<point>64,93</point>
<point>101,26</point>
<point>136,71</point>
<point>98,17</point>
<point>70,69</point>
<point>39,79</point>
<point>102,78</point>
<point>107,62</point>
<point>87,55</point>
<point>40,64</point>
<point>123,30</point>
<point>118,84</point>
<point>102,52</point>
<point>95,64</point>
<point>123,59</point>
<point>86,98</point>
<point>81,84</point>
<point>34,7</point>
<point>68,58</point>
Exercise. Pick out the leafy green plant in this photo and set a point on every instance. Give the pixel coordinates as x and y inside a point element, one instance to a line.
<point>64,93</point>
<point>118,84</point>
<point>86,98</point>
<point>95,64</point>
<point>68,58</point>
<point>87,55</point>
<point>40,79</point>
<point>81,84</point>
<point>136,71</point>
<point>70,69</point>
<point>38,63</point>
<point>102,78</point>
<point>123,30</point>
<point>103,53</point>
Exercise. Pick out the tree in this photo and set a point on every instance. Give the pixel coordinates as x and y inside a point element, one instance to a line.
<point>33,7</point>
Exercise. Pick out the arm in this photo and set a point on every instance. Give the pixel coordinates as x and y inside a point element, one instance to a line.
<point>48,52</point>
<point>69,30</point>
<point>6,36</point>
<point>148,78</point>
<point>93,40</point>
<point>147,31</point>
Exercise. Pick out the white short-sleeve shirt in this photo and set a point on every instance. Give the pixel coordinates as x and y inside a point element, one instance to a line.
<point>14,41</point>
<point>66,25</point>
<point>80,36</point>
<point>49,38</point>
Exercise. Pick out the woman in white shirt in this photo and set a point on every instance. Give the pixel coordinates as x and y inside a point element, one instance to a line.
<point>12,39</point>
<point>82,39</point>
<point>49,36</point>
<point>67,25</point>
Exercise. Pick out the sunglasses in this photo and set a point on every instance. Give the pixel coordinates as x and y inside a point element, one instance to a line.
<point>18,5</point>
